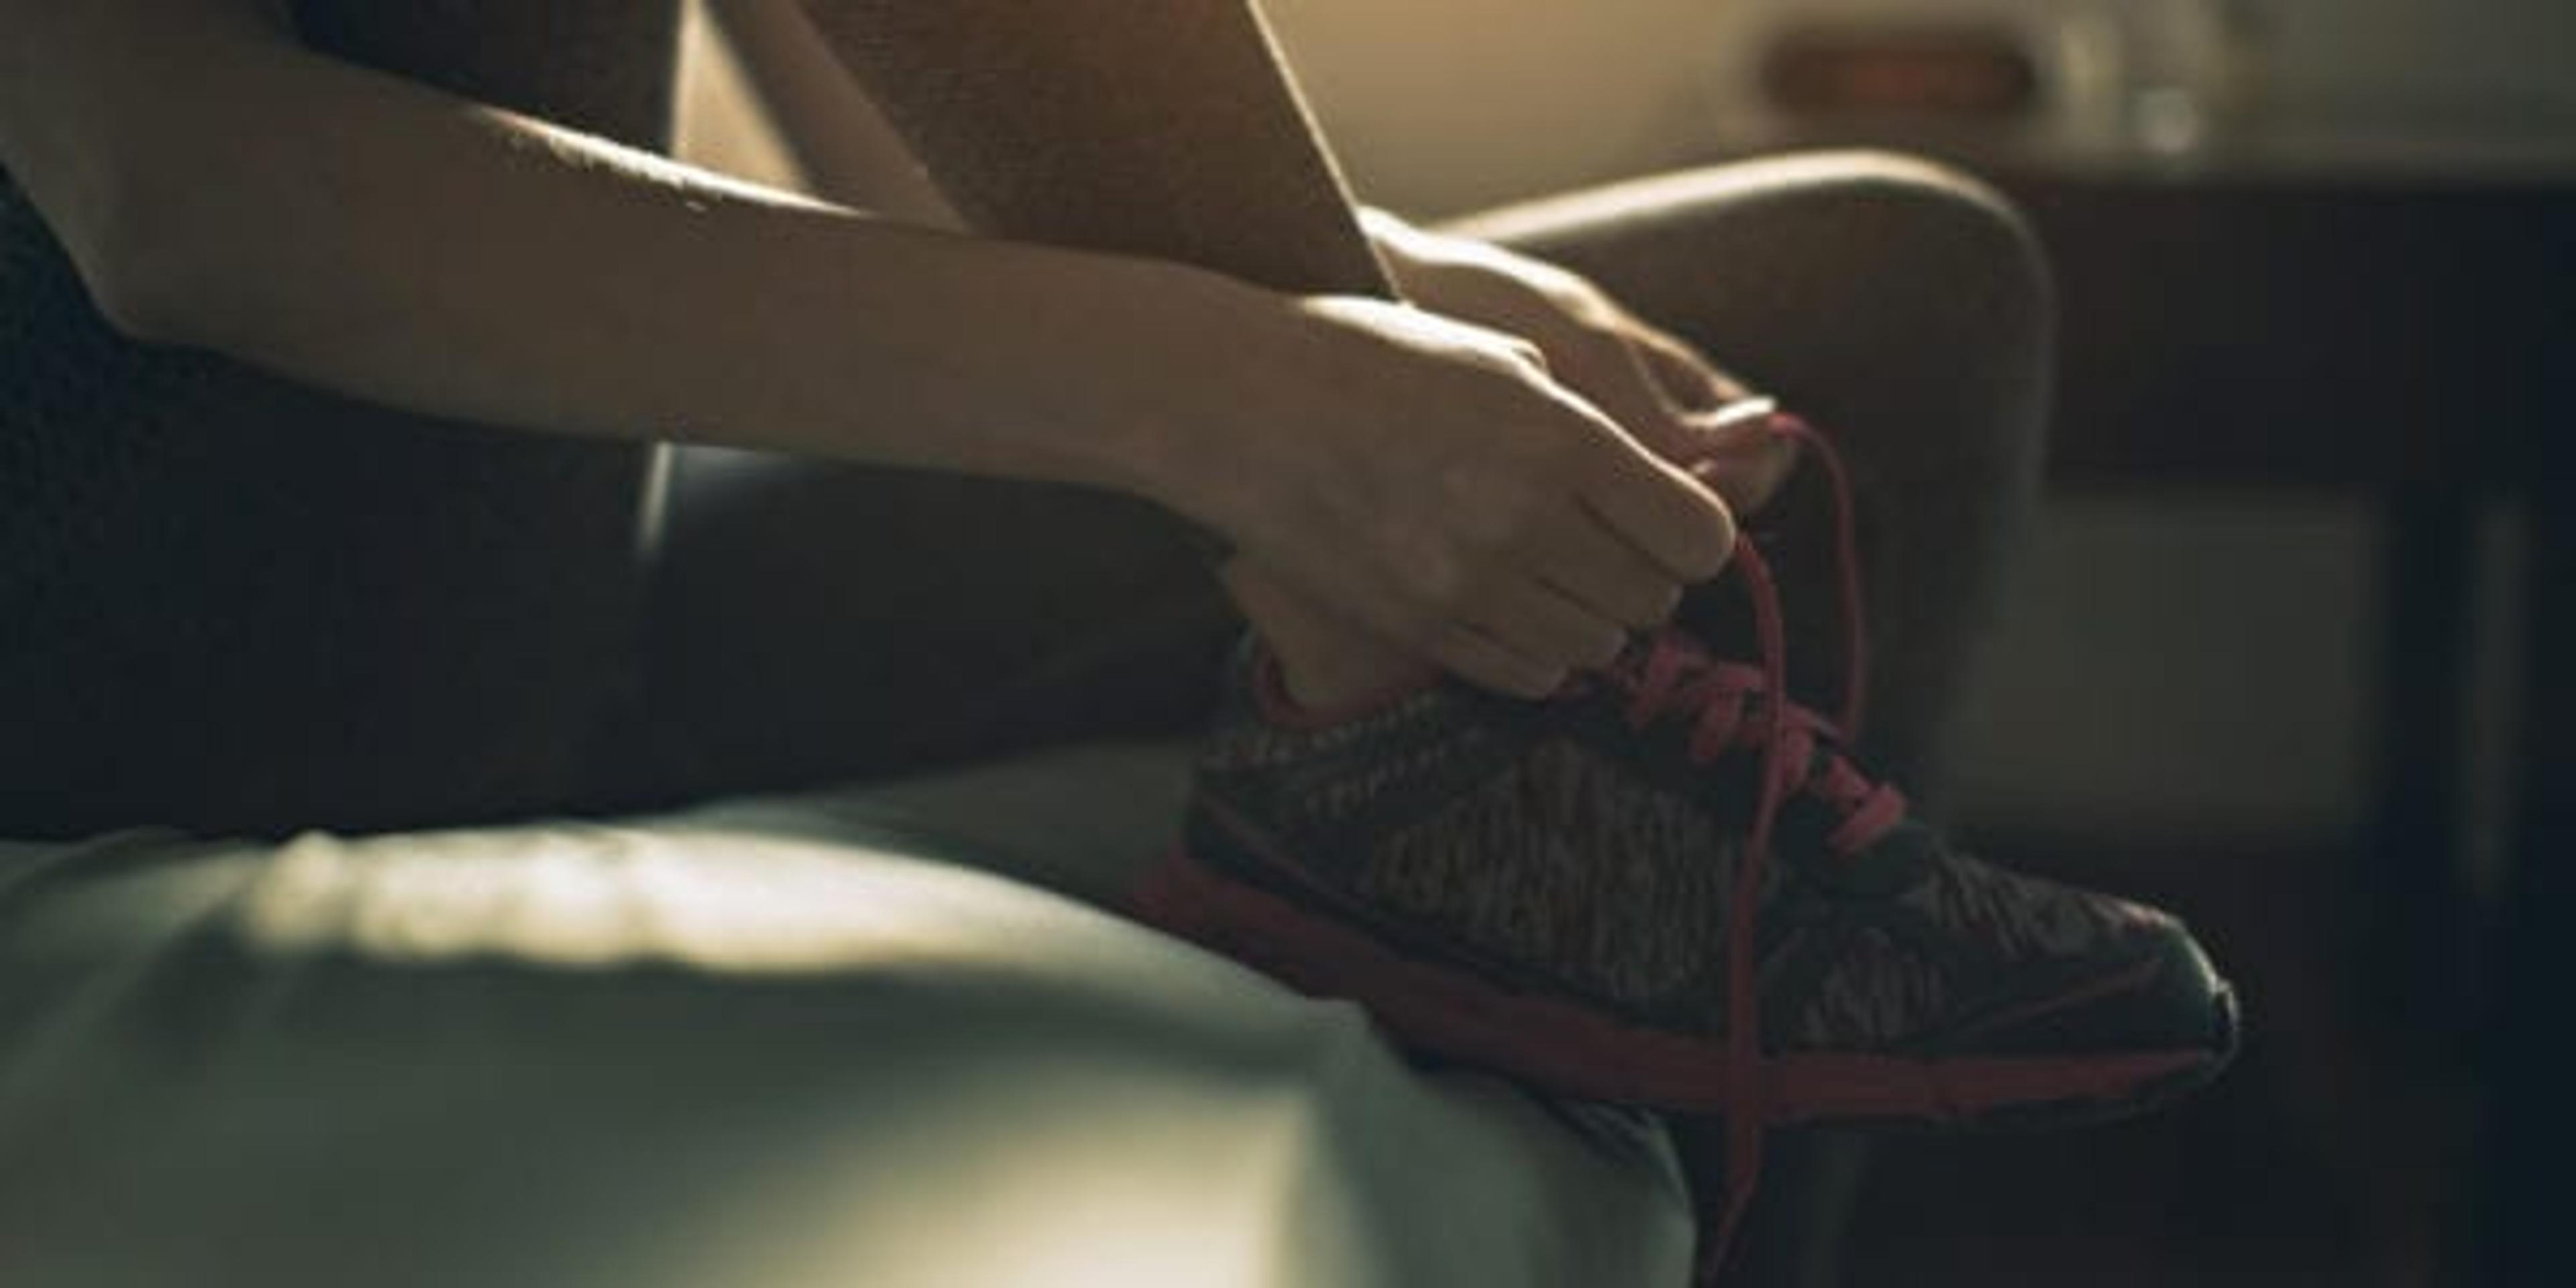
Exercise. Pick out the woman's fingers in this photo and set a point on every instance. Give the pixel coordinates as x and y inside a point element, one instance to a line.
<point>1478,658</point>
<point>1540,623</point>
<point>1433,484</point>
<point>1668,516</point>
<point>1741,456</point>
<point>1597,569</point>
<point>1689,381</point>
<point>1748,477</point>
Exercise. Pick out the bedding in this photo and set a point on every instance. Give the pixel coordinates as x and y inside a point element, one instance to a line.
<point>882,1037</point>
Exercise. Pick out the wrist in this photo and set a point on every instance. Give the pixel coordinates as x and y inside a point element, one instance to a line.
<point>1198,348</point>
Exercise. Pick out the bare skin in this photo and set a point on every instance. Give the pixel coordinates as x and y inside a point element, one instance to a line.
<point>1175,133</point>
<point>1420,489</point>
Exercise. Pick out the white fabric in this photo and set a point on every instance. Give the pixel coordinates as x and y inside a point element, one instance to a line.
<point>762,1044</point>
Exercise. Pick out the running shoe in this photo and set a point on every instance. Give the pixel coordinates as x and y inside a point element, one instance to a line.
<point>1670,888</point>
<point>1580,892</point>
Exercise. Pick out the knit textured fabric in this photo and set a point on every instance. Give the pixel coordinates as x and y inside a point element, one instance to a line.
<point>231,602</point>
<point>1442,811</point>
<point>1569,849</point>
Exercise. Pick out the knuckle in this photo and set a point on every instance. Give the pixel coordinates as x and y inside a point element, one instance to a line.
<point>1711,546</point>
<point>1607,343</point>
<point>1526,354</point>
<point>1606,646</point>
<point>1439,583</point>
<point>1510,520</point>
<point>1505,363</point>
<point>1563,288</point>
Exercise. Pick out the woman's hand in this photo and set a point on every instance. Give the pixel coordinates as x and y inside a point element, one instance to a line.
<point>1426,480</point>
<point>1659,388</point>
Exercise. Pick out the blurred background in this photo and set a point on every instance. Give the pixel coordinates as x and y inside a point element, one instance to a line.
<point>2278,651</point>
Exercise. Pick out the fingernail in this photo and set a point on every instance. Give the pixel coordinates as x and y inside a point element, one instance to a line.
<point>1743,411</point>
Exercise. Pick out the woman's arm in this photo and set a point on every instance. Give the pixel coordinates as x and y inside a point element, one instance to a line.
<point>223,187</point>
<point>1171,128</point>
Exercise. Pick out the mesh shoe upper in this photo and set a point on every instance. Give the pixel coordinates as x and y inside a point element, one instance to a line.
<point>1571,847</point>
<point>1609,892</point>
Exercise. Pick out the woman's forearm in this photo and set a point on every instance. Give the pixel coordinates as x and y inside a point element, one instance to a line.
<point>1420,480</point>
<point>376,237</point>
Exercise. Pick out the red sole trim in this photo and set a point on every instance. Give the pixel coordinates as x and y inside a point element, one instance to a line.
<point>1562,1046</point>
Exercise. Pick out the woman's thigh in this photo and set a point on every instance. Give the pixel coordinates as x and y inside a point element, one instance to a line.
<point>818,623</point>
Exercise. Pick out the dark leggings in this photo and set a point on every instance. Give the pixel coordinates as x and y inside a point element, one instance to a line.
<point>818,623</point>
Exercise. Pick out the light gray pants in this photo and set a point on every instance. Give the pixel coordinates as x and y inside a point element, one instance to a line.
<point>775,1044</point>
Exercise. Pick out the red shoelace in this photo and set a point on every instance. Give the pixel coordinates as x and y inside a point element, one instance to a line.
<point>1736,707</point>
<point>1676,677</point>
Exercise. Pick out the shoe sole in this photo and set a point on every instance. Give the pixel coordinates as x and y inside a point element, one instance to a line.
<point>1562,1046</point>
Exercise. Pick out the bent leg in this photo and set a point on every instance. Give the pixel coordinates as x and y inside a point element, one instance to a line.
<point>1906,311</point>
<point>815,622</point>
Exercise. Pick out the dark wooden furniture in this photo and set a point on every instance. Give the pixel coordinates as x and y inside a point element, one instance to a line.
<point>2400,322</point>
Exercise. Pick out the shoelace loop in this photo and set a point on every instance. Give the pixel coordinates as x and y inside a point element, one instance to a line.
<point>1724,701</point>
<point>1785,741</point>
<point>1855,659</point>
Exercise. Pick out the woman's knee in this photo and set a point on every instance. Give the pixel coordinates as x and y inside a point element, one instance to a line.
<point>1836,252</point>
<point>1929,229</point>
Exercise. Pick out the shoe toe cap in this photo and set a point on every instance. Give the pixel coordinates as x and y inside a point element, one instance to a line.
<point>2160,994</point>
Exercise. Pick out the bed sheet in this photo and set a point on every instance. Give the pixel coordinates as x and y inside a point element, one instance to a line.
<point>876,1037</point>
